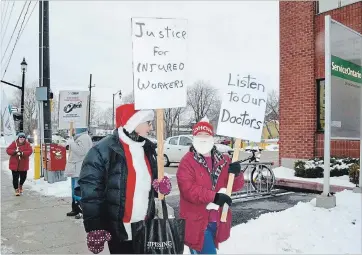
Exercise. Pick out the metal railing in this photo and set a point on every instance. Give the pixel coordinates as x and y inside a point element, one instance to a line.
<point>254,188</point>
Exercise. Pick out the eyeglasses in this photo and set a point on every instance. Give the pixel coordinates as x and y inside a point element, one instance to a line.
<point>22,137</point>
<point>149,123</point>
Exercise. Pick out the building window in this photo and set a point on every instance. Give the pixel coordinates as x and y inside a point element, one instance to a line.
<point>328,5</point>
<point>320,105</point>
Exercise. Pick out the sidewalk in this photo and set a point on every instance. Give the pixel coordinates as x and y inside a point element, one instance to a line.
<point>37,224</point>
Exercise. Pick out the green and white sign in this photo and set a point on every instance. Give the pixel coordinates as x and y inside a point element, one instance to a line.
<point>346,70</point>
<point>346,82</point>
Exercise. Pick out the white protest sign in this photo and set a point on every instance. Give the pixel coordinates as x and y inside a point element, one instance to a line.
<point>73,107</point>
<point>159,62</point>
<point>243,107</point>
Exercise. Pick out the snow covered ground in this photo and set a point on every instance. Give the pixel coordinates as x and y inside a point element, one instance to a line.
<point>57,189</point>
<point>303,229</point>
<point>5,249</point>
<point>287,173</point>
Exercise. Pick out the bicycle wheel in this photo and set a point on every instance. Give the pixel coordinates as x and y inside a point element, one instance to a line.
<point>262,179</point>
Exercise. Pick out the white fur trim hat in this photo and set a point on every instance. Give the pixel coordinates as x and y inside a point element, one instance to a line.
<point>129,118</point>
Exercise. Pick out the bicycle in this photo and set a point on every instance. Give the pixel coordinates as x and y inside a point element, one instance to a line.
<point>259,182</point>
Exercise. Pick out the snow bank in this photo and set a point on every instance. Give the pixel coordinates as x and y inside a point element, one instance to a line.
<point>57,189</point>
<point>303,228</point>
<point>287,173</point>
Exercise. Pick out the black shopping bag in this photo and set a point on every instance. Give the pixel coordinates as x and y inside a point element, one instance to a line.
<point>159,236</point>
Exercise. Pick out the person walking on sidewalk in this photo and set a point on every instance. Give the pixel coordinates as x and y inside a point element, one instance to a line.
<point>78,149</point>
<point>19,151</point>
<point>202,177</point>
<point>116,182</point>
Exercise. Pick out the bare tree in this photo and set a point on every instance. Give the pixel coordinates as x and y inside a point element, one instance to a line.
<point>94,110</point>
<point>272,108</point>
<point>201,98</point>
<point>107,116</point>
<point>171,115</point>
<point>30,107</point>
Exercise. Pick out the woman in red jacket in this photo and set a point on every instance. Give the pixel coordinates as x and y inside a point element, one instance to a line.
<point>19,152</point>
<point>202,178</point>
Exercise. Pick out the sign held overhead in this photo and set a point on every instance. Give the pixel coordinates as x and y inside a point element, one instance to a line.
<point>243,107</point>
<point>159,62</point>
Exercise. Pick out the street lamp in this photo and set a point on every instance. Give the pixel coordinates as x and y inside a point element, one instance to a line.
<point>23,69</point>
<point>119,92</point>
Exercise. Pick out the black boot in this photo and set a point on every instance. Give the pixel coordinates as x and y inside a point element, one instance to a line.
<point>75,210</point>
<point>79,210</point>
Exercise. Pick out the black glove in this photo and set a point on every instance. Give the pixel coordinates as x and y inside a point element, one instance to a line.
<point>221,198</point>
<point>234,168</point>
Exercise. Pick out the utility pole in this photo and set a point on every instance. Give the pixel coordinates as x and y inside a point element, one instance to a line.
<point>22,88</point>
<point>46,73</point>
<point>40,103</point>
<point>90,101</point>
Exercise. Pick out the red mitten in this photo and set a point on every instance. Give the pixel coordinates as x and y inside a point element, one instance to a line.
<point>96,240</point>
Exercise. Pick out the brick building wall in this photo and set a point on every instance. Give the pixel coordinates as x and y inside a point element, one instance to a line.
<point>297,85</point>
<point>301,64</point>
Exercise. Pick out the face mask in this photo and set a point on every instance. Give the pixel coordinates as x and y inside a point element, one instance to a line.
<point>203,144</point>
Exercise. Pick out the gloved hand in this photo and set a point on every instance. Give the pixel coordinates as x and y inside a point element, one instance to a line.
<point>164,186</point>
<point>221,198</point>
<point>20,153</point>
<point>234,168</point>
<point>96,240</point>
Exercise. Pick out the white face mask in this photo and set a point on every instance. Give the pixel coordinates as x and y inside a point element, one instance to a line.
<point>203,144</point>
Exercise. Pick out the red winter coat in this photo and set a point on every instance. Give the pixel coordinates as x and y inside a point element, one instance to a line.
<point>196,193</point>
<point>14,163</point>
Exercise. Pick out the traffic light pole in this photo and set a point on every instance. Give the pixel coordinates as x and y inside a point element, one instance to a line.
<point>22,103</point>
<point>22,88</point>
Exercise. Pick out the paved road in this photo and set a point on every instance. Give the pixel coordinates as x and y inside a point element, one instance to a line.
<point>36,224</point>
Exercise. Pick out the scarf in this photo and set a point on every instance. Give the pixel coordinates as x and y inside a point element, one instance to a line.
<point>216,158</point>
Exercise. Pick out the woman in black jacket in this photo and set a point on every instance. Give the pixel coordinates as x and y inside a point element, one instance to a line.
<point>116,182</point>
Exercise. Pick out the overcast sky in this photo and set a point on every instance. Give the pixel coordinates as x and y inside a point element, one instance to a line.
<point>95,37</point>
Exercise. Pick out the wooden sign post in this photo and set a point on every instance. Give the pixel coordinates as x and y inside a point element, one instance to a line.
<point>160,158</point>
<point>229,187</point>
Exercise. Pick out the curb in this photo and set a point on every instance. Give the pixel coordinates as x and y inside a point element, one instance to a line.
<point>305,185</point>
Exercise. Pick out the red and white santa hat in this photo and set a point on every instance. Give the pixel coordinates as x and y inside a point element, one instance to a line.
<point>203,126</point>
<point>129,118</point>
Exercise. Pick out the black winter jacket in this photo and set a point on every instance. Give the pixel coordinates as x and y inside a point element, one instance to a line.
<point>103,181</point>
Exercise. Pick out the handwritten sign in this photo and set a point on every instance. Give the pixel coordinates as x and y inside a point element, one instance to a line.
<point>243,107</point>
<point>159,62</point>
<point>73,107</point>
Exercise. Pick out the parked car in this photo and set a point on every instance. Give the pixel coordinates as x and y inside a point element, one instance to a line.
<point>176,147</point>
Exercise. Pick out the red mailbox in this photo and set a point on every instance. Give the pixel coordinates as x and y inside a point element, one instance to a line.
<point>56,157</point>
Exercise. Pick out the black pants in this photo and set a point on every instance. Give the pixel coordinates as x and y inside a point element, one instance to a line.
<point>16,175</point>
<point>117,247</point>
